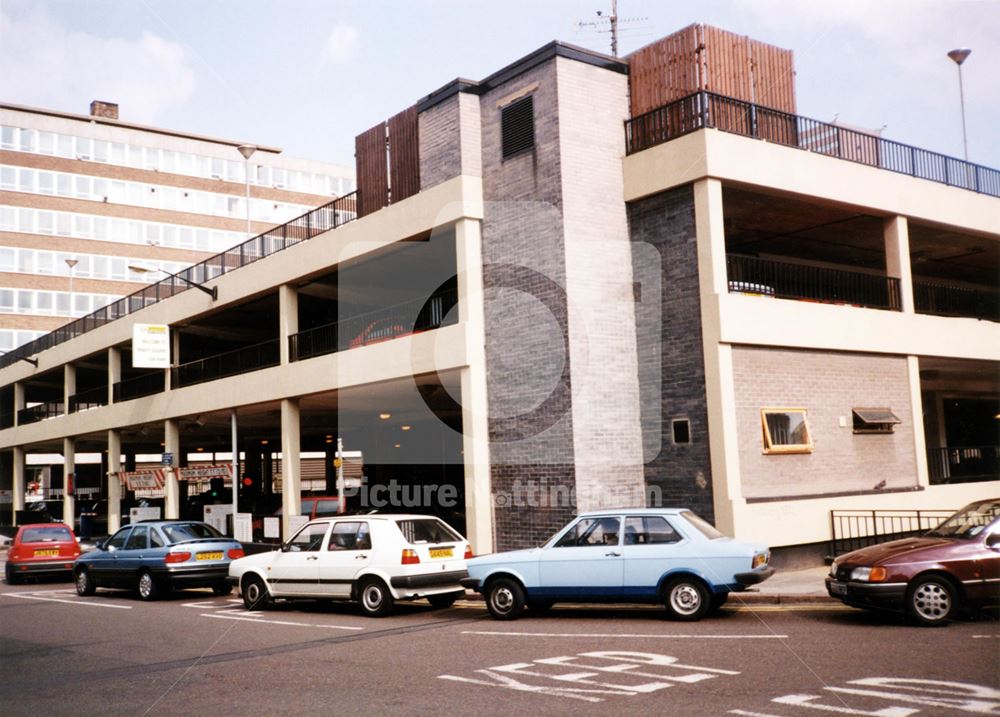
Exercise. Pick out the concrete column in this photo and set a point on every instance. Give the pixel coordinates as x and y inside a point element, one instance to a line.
<point>172,444</point>
<point>475,424</point>
<point>69,385</point>
<point>69,469</point>
<point>291,470</point>
<point>917,417</point>
<point>114,372</point>
<point>896,234</point>
<point>114,482</point>
<point>288,317</point>
<point>175,358</point>
<point>19,401</point>
<point>17,487</point>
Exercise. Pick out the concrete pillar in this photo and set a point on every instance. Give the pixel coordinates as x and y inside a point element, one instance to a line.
<point>896,234</point>
<point>288,318</point>
<point>291,471</point>
<point>172,444</point>
<point>475,424</point>
<point>69,474</point>
<point>917,417</point>
<point>19,401</point>
<point>175,358</point>
<point>114,372</point>
<point>69,386</point>
<point>114,482</point>
<point>18,482</point>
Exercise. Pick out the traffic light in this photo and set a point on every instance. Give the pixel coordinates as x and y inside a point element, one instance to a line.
<point>216,487</point>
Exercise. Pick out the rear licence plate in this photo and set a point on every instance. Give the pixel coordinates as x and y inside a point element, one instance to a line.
<point>46,553</point>
<point>442,552</point>
<point>208,556</point>
<point>838,588</point>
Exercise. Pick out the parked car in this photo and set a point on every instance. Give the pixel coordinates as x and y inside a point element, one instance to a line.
<point>372,559</point>
<point>932,578</point>
<point>668,556</point>
<point>156,556</point>
<point>41,549</point>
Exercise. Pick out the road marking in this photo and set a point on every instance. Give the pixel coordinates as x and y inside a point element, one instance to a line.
<point>744,713</point>
<point>789,608</point>
<point>32,596</point>
<point>277,622</point>
<point>985,637</point>
<point>629,635</point>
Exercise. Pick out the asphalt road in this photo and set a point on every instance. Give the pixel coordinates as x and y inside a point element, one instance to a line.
<point>196,654</point>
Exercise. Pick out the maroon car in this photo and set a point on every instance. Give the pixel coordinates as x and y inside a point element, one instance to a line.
<point>931,578</point>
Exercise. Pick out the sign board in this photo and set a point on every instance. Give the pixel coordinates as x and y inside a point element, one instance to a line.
<point>168,459</point>
<point>145,480</point>
<point>243,527</point>
<point>150,346</point>
<point>196,472</point>
<point>215,515</point>
<point>137,514</point>
<point>295,523</point>
<point>272,527</point>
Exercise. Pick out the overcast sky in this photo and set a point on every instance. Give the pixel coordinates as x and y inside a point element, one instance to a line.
<point>309,75</point>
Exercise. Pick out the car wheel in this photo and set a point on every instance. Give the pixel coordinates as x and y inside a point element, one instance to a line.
<point>374,597</point>
<point>687,599</point>
<point>505,599</point>
<point>84,585</point>
<point>147,587</point>
<point>441,602</point>
<point>932,601</point>
<point>223,588</point>
<point>12,577</point>
<point>255,596</point>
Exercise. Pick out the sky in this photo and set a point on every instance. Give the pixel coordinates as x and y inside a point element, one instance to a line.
<point>309,75</point>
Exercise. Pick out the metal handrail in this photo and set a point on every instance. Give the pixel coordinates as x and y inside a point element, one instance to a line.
<point>137,387</point>
<point>228,363</point>
<point>931,297</point>
<point>91,398</point>
<point>963,464</point>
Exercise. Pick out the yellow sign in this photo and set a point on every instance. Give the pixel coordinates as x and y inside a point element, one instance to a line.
<point>150,346</point>
<point>338,462</point>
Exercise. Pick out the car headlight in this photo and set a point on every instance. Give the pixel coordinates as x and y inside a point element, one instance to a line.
<point>868,575</point>
<point>833,568</point>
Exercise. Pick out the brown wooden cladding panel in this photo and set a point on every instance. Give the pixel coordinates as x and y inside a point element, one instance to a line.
<point>727,63</point>
<point>774,75</point>
<point>372,170</point>
<point>664,71</point>
<point>404,154</point>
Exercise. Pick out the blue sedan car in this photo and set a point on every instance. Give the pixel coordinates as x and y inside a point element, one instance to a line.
<point>653,555</point>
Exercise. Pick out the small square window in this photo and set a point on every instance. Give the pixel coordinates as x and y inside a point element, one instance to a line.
<point>785,430</point>
<point>517,127</point>
<point>681,430</point>
<point>874,420</point>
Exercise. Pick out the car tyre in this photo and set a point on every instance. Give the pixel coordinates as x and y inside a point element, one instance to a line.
<point>223,588</point>
<point>375,598</point>
<point>255,595</point>
<point>84,583</point>
<point>932,601</point>
<point>440,602</point>
<point>147,587</point>
<point>12,577</point>
<point>505,599</point>
<point>687,599</point>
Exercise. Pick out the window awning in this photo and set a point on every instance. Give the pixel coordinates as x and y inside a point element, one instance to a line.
<point>875,416</point>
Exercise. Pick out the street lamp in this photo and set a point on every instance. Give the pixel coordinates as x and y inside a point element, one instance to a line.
<point>211,291</point>
<point>247,151</point>
<point>71,263</point>
<point>959,56</point>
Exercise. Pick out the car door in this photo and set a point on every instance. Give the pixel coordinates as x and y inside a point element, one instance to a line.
<point>102,562</point>
<point>651,547</point>
<point>130,558</point>
<point>348,551</point>
<point>585,562</point>
<point>295,570</point>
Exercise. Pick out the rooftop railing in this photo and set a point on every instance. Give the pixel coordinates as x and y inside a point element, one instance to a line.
<point>709,110</point>
<point>946,300</point>
<point>322,219</point>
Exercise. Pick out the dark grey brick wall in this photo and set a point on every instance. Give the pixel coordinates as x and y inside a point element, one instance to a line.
<point>681,474</point>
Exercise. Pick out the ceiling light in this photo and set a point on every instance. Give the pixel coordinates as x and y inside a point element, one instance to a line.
<point>397,445</point>
<point>385,416</point>
<point>263,442</point>
<point>406,428</point>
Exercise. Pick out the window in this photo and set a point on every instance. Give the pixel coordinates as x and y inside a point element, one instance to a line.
<point>309,539</point>
<point>427,530</point>
<point>139,540</point>
<point>591,531</point>
<point>517,127</point>
<point>648,530</point>
<point>118,539</point>
<point>681,429</point>
<point>785,430</point>
<point>874,420</point>
<point>345,536</point>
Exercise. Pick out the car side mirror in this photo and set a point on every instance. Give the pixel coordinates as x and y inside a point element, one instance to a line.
<point>993,541</point>
<point>289,548</point>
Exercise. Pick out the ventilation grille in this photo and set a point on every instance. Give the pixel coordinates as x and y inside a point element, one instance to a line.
<point>517,127</point>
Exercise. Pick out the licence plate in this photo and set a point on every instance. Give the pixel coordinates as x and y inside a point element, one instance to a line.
<point>442,552</point>
<point>46,553</point>
<point>838,588</point>
<point>208,556</point>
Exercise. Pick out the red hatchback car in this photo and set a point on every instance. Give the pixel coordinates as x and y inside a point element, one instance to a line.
<point>931,578</point>
<point>41,549</point>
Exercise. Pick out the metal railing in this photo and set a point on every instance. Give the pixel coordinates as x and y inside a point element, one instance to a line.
<point>137,387</point>
<point>944,300</point>
<point>963,464</point>
<point>375,326</point>
<point>91,398</point>
<point>230,363</point>
<point>785,280</point>
<point>709,110</point>
<point>855,529</point>
<point>322,219</point>
<point>39,412</point>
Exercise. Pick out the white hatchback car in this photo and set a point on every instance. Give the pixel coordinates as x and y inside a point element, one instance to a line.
<point>373,559</point>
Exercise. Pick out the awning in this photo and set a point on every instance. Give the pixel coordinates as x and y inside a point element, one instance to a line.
<point>875,416</point>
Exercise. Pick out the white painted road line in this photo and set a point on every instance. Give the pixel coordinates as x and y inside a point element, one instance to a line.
<point>985,637</point>
<point>277,622</point>
<point>629,635</point>
<point>85,603</point>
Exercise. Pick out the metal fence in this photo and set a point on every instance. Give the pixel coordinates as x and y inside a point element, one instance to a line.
<point>963,464</point>
<point>709,110</point>
<point>230,363</point>
<point>91,398</point>
<point>855,529</point>
<point>39,412</point>
<point>945,300</point>
<point>137,387</point>
<point>322,219</point>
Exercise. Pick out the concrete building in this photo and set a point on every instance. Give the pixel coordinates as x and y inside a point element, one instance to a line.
<point>555,299</point>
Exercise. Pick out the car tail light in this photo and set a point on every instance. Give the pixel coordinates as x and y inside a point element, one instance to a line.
<point>468,552</point>
<point>15,554</point>
<point>177,557</point>
<point>236,553</point>
<point>410,557</point>
<point>759,559</point>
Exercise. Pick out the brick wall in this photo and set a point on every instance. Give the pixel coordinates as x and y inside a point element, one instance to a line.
<point>440,149</point>
<point>827,385</point>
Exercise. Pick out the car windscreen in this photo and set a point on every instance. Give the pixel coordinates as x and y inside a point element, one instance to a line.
<point>180,532</point>
<point>968,522</point>
<point>427,530</point>
<point>703,526</point>
<point>46,535</point>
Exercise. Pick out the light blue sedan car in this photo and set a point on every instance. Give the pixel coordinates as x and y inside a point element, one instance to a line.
<point>652,555</point>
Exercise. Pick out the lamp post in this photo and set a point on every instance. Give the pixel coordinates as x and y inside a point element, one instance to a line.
<point>959,56</point>
<point>71,263</point>
<point>247,151</point>
<point>211,291</point>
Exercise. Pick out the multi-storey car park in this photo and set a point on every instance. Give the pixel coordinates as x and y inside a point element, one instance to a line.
<point>581,282</point>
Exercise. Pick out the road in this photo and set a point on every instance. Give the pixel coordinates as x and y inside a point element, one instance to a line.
<point>196,654</point>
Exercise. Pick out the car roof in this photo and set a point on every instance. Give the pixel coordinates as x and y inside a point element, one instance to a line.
<point>639,509</point>
<point>375,516</point>
<point>56,524</point>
